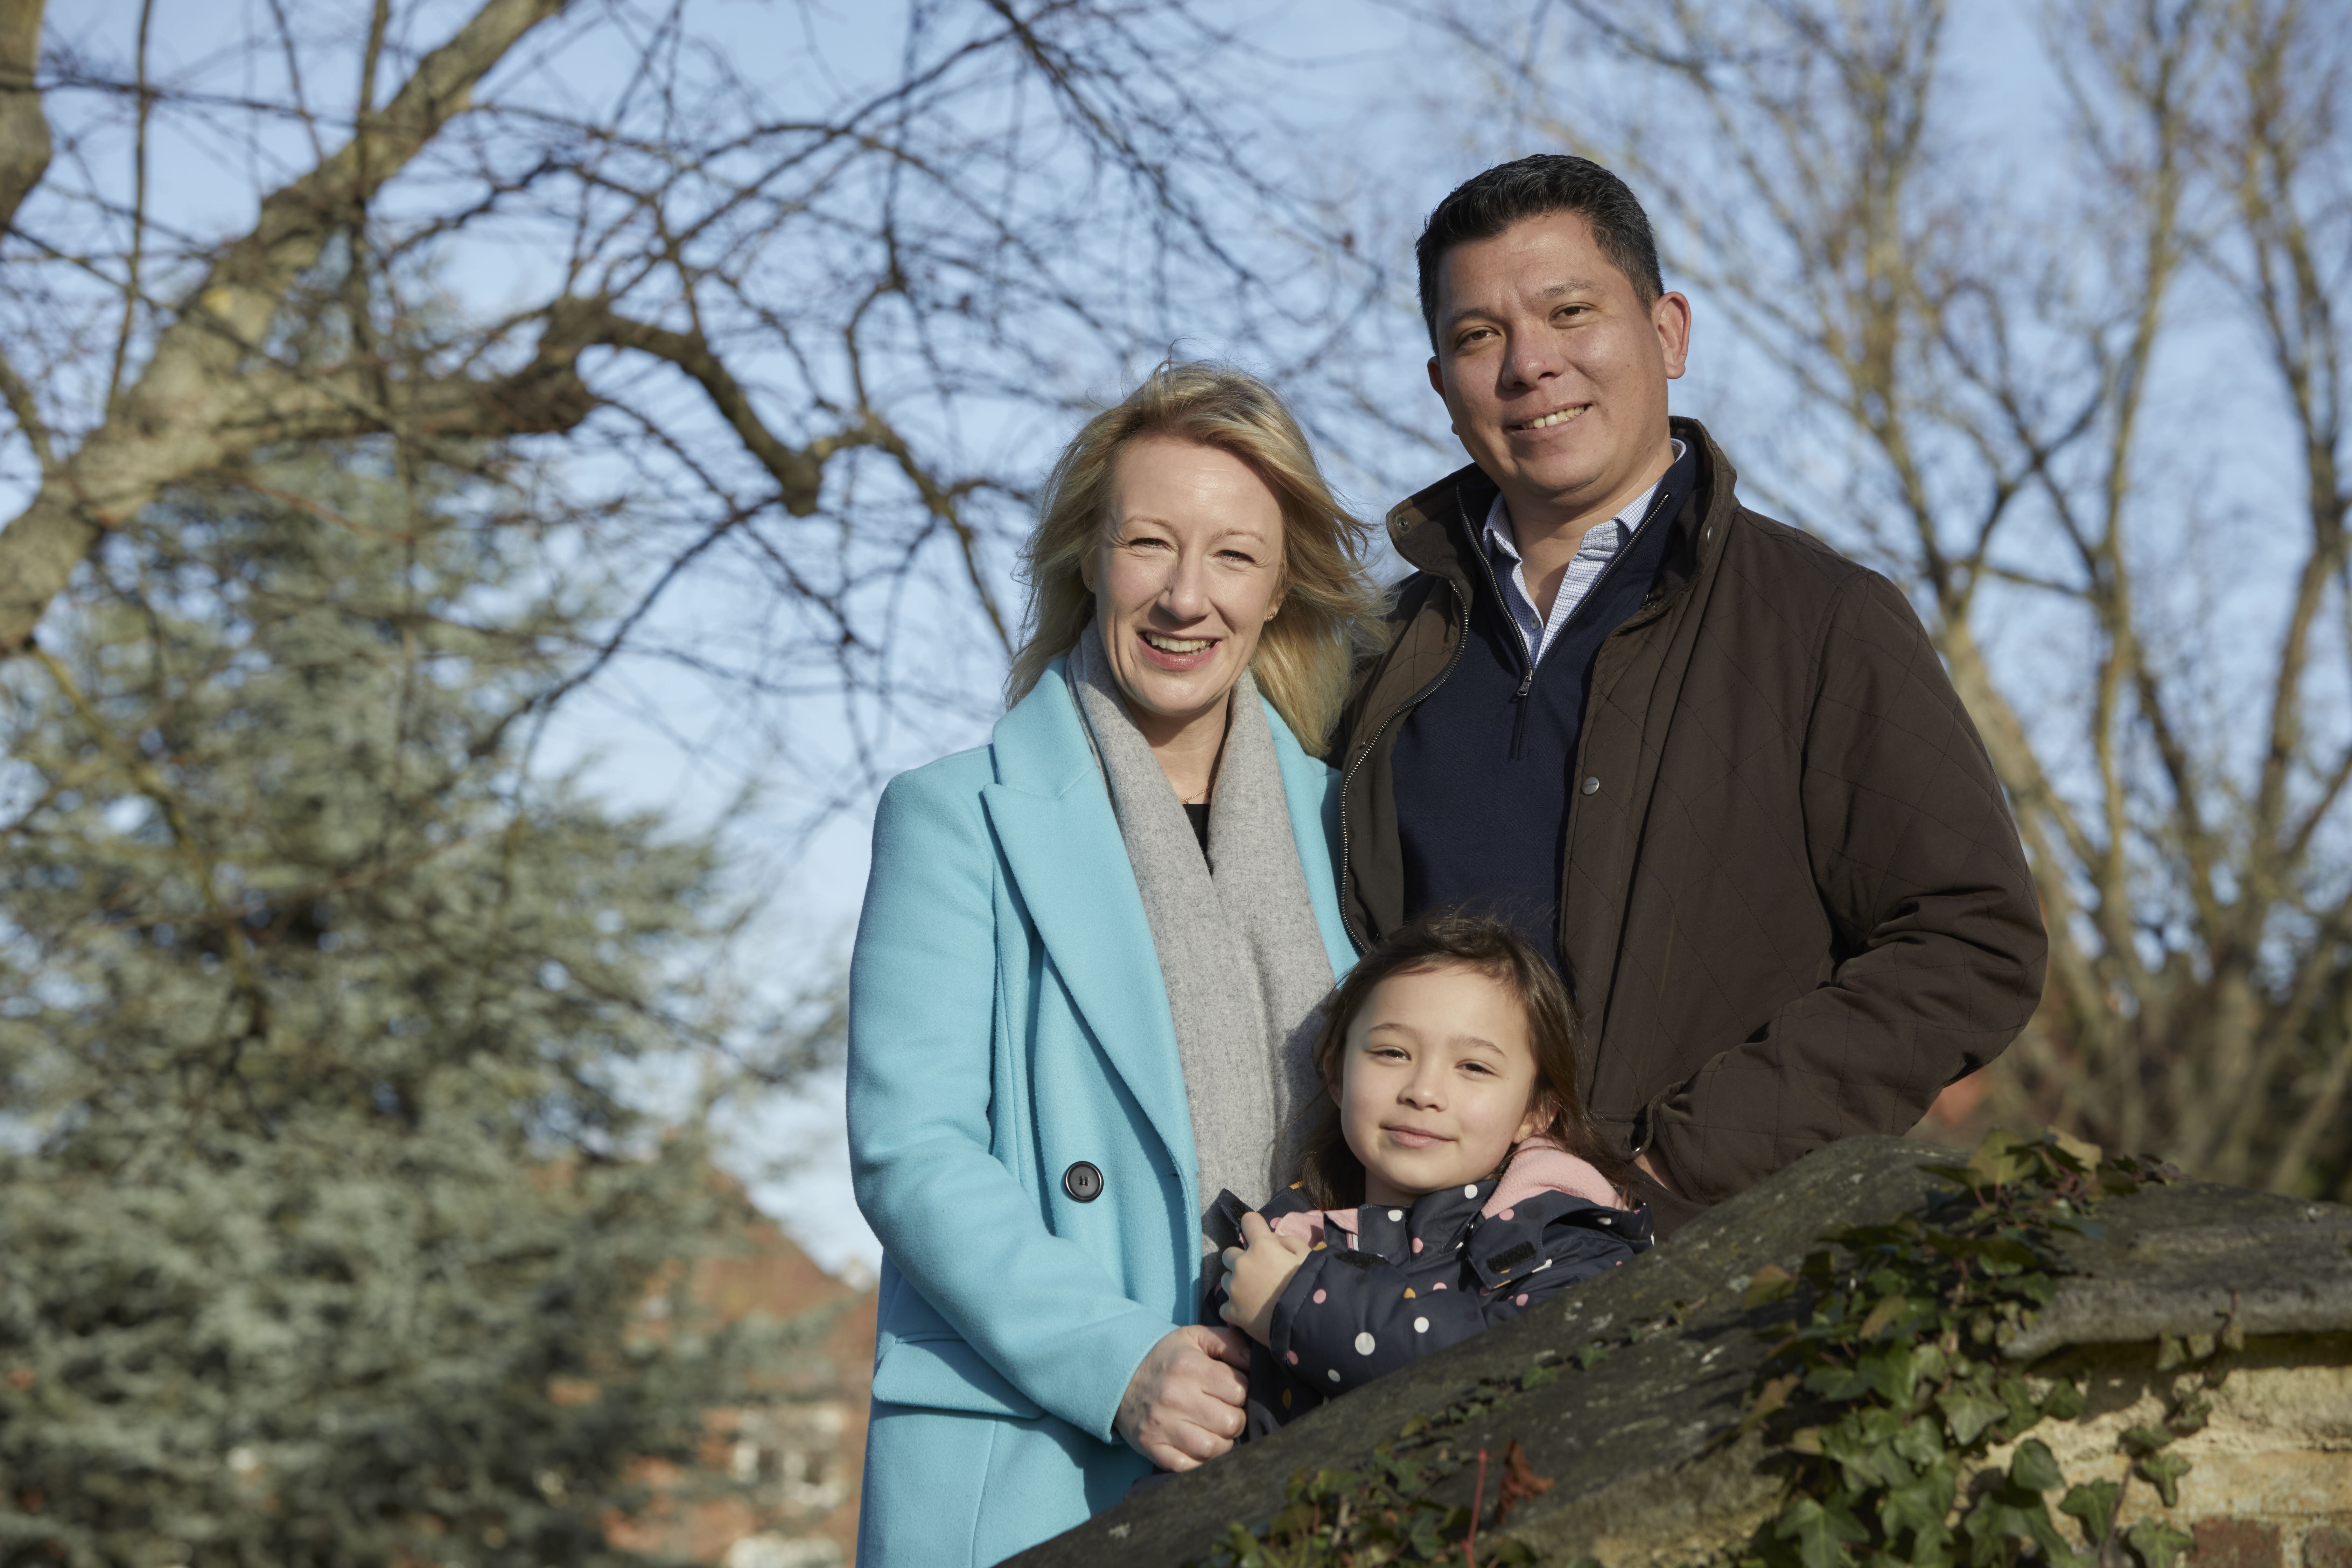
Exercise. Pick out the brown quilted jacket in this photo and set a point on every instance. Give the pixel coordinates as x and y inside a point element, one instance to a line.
<point>1793,902</point>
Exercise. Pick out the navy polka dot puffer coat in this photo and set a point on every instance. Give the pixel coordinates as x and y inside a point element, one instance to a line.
<point>1384,1286</point>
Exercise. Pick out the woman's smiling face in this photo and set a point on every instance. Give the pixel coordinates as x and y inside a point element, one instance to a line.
<point>1438,1082</point>
<point>1187,576</point>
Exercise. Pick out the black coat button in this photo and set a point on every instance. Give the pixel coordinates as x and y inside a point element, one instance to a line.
<point>1083,1182</point>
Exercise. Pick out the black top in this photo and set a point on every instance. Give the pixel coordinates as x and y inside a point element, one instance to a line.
<point>1200,818</point>
<point>1484,766</point>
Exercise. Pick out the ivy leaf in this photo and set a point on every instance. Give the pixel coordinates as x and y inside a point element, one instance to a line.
<point>1769,1398</point>
<point>2064,1402</point>
<point>2034,1468</point>
<point>2007,1251</point>
<point>2156,1544</point>
<point>2093,1503</point>
<point>1820,1532</point>
<point>2141,1441</point>
<point>2018,1411</point>
<point>1969,1411</point>
<point>2164,1470</point>
<point>1837,1383</point>
<point>1920,1506</point>
<point>1241,1547</point>
<point>1895,1373</point>
<point>2011,1512</point>
<point>1921,1442</point>
<point>1889,1308</point>
<point>1865,1450</point>
<point>2078,1155</point>
<point>1996,1162</point>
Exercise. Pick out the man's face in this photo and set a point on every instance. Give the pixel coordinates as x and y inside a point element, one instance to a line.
<point>1553,368</point>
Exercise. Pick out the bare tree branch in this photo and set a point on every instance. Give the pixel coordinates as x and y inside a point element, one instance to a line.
<point>24,128</point>
<point>161,434</point>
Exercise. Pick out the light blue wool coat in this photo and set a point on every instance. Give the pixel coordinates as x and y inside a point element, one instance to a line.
<point>1006,1019</point>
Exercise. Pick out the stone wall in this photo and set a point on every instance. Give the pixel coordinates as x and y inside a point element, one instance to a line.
<point>1644,1449</point>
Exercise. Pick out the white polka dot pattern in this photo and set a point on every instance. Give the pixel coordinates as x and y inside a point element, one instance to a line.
<point>1363,1344</point>
<point>1421,1325</point>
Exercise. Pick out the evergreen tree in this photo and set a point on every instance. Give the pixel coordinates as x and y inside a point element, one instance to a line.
<point>324,1219</point>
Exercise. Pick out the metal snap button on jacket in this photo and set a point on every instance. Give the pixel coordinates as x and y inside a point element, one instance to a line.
<point>1591,785</point>
<point>1083,1182</point>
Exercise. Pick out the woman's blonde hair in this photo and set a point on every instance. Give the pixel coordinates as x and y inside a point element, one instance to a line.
<point>1305,653</point>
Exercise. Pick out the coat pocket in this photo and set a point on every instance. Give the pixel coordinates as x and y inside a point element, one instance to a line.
<point>947,1374</point>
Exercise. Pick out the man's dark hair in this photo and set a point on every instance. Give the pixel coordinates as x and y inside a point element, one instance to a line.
<point>1485,204</point>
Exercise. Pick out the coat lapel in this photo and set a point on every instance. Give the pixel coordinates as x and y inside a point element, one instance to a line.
<point>1053,817</point>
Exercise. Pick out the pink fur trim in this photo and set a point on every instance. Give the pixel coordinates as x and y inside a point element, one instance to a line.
<point>1541,1165</point>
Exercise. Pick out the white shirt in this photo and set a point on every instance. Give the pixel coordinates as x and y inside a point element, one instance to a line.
<point>1599,547</point>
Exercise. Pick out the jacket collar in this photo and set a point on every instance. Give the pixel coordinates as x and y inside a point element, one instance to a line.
<point>1040,746</point>
<point>1436,529</point>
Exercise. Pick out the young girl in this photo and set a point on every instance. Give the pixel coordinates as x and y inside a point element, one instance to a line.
<point>1453,1183</point>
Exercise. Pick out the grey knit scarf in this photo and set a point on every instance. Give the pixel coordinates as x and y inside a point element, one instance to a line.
<point>1239,949</point>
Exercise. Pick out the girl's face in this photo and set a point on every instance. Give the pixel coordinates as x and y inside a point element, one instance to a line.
<point>1437,1081</point>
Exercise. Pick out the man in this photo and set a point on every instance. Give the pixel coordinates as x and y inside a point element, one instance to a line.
<point>1715,764</point>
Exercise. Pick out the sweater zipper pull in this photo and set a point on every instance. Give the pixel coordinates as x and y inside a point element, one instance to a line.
<point>1519,715</point>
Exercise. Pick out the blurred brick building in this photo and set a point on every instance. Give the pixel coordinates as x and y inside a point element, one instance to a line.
<point>776,1486</point>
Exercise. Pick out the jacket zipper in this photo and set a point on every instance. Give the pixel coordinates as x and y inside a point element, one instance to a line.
<point>1527,660</point>
<point>1528,681</point>
<point>1461,641</point>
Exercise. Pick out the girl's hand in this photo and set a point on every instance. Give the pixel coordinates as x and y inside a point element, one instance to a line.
<point>1255,1273</point>
<point>1185,1402</point>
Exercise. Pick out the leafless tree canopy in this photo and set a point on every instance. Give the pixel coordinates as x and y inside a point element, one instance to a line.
<point>778,322</point>
<point>2079,385</point>
<point>771,330</point>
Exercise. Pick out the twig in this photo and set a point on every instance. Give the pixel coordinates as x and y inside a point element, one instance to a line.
<point>1477,1500</point>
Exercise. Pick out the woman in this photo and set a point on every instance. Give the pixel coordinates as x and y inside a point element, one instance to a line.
<point>1081,993</point>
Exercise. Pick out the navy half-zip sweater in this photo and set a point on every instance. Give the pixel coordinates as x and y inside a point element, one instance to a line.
<point>1482,764</point>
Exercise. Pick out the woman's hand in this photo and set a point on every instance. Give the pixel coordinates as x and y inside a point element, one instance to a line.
<point>1255,1273</point>
<point>1183,1405</point>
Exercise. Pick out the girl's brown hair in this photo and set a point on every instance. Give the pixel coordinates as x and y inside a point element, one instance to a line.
<point>1329,608</point>
<point>1446,939</point>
